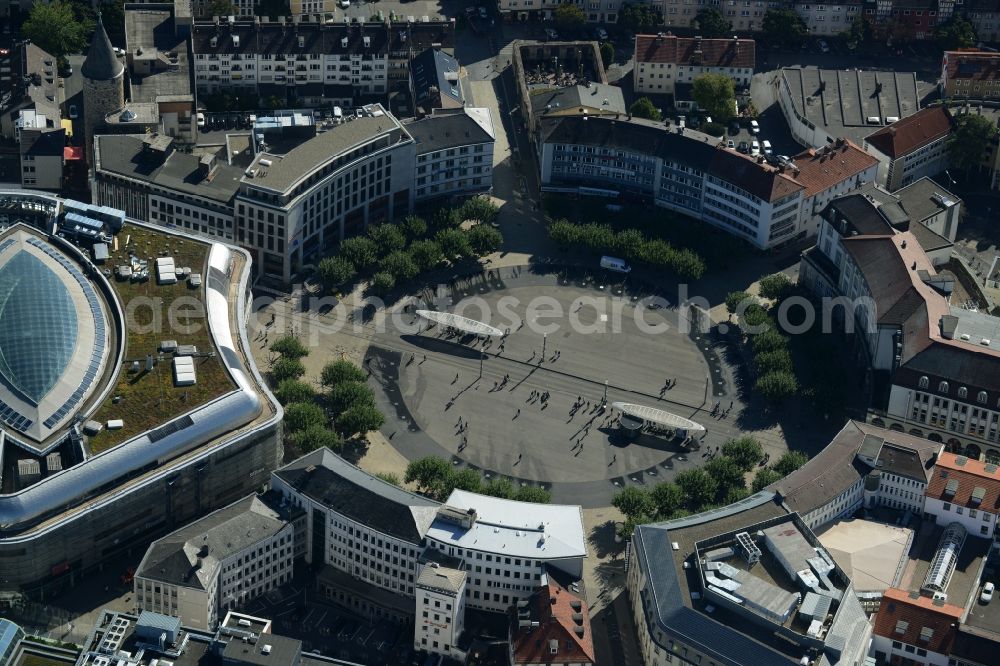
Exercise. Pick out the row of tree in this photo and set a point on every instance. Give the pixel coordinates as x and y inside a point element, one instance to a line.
<point>719,482</point>
<point>436,478</point>
<point>392,253</point>
<point>347,396</point>
<point>772,360</point>
<point>629,244</point>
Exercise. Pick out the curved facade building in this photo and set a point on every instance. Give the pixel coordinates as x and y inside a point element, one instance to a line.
<point>66,506</point>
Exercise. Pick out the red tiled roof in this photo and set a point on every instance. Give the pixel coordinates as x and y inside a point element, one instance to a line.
<point>972,64</point>
<point>684,51</point>
<point>970,474</point>
<point>760,180</point>
<point>821,169</point>
<point>917,613</point>
<point>552,608</point>
<point>906,135</point>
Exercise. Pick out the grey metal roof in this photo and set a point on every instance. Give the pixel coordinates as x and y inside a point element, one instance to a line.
<point>447,130</point>
<point>437,69</point>
<point>101,64</point>
<point>333,482</point>
<point>280,651</point>
<point>916,199</point>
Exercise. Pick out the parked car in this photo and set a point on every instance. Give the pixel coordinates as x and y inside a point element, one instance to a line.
<point>730,144</point>
<point>767,147</point>
<point>200,116</point>
<point>987,594</point>
<point>823,46</point>
<point>743,147</point>
<point>755,147</point>
<point>602,34</point>
<point>754,127</point>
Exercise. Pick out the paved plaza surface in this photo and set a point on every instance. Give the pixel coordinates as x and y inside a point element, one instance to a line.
<point>430,380</point>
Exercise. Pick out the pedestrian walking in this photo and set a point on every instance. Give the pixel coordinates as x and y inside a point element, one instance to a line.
<point>730,405</point>
<point>517,414</point>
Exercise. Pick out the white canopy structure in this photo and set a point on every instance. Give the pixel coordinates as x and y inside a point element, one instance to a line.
<point>658,416</point>
<point>459,322</point>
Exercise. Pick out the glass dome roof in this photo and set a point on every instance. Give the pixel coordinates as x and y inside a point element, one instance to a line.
<point>38,326</point>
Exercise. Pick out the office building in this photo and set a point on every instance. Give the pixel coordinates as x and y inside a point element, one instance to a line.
<point>552,627</point>
<point>440,611</point>
<point>668,65</point>
<point>970,74</point>
<point>912,148</point>
<point>454,152</point>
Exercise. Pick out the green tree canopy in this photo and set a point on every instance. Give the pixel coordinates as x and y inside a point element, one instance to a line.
<point>639,18</point>
<point>533,494</point>
<point>500,487</point>
<point>383,282</point>
<point>784,26</point>
<point>569,17</point>
<point>480,209</point>
<point>745,451</point>
<point>426,254</point>
<point>644,108</point>
<point>293,390</point>
<point>767,341</point>
<point>607,54</point>
<point>304,415</point>
<point>667,498</point>
<point>415,226</point>
<point>484,240</point>
<point>389,477</point>
<point>221,8</point>
<point>735,299</point>
<point>289,346</point>
<point>778,360</point>
<point>286,368</point>
<point>699,488</point>
<point>401,265</point>
<point>726,473</point>
<point>345,395</point>
<point>361,251</point>
<point>453,243</point>
<point>955,33</point>
<point>359,419</point>
<point>967,143</point>
<point>59,28</point>
<point>765,477</point>
<point>777,385</point>
<point>711,23</point>
<point>859,33</point>
<point>789,462</point>
<point>429,473</point>
<point>735,494</point>
<point>339,371</point>
<point>336,271</point>
<point>775,286</point>
<point>387,237</point>
<point>316,437</point>
<point>716,95</point>
<point>463,479</point>
<point>634,503</point>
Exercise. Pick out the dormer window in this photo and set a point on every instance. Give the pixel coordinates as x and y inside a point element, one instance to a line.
<point>981,398</point>
<point>943,387</point>
<point>924,382</point>
<point>963,392</point>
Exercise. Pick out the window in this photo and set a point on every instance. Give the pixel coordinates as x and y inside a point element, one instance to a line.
<point>943,387</point>
<point>981,398</point>
<point>963,392</point>
<point>924,381</point>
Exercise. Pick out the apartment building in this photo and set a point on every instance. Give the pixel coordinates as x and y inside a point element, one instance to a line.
<point>914,627</point>
<point>41,152</point>
<point>984,15</point>
<point>971,74</point>
<point>827,173</point>
<point>308,61</point>
<point>216,563</point>
<point>440,611</point>
<point>454,152</point>
<point>964,491</point>
<point>293,205</point>
<point>745,15</point>
<point>596,11</point>
<point>912,148</point>
<point>667,64</point>
<point>828,19</point>
<point>552,627</point>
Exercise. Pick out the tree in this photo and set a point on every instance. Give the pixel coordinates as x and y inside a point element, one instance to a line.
<point>789,462</point>
<point>711,23</point>
<point>777,385</point>
<point>644,108</point>
<point>745,451</point>
<point>453,243</point>
<point>58,28</point>
<point>699,488</point>
<point>221,8</point>
<point>293,390</point>
<point>667,498</point>
<point>639,18</point>
<point>304,415</point>
<point>316,437</point>
<point>401,265</point>
<point>360,419</point>
<point>859,33</point>
<point>736,299</point>
<point>446,218</point>
<point>735,494</point>
<point>465,479</point>
<point>336,271</point>
<point>955,33</point>
<point>569,17</point>
<point>289,346</point>
<point>383,282</point>
<point>784,26</point>
<point>969,139</point>
<point>775,287</point>
<point>426,254</point>
<point>481,209</point>
<point>388,238</point>
<point>765,477</point>
<point>360,251</point>
<point>484,240</point>
<point>388,477</point>
<point>286,368</point>
<point>415,226</point>
<point>339,371</point>
<point>634,503</point>
<point>726,473</point>
<point>716,95</point>
<point>533,494</point>
<point>778,360</point>
<point>769,340</point>
<point>500,487</point>
<point>429,473</point>
<point>607,54</point>
<point>345,395</point>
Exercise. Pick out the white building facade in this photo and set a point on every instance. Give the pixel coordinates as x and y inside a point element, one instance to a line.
<point>454,153</point>
<point>440,611</point>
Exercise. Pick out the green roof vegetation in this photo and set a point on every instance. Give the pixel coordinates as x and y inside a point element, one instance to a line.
<point>146,400</point>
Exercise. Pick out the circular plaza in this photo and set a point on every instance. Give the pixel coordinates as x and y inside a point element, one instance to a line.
<point>526,374</point>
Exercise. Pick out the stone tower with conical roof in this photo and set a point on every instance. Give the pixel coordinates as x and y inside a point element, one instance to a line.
<point>103,86</point>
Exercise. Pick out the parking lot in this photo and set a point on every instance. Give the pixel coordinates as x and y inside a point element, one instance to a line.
<point>331,631</point>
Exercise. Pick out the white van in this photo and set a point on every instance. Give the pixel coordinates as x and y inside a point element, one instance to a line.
<point>615,264</point>
<point>767,146</point>
<point>754,127</point>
